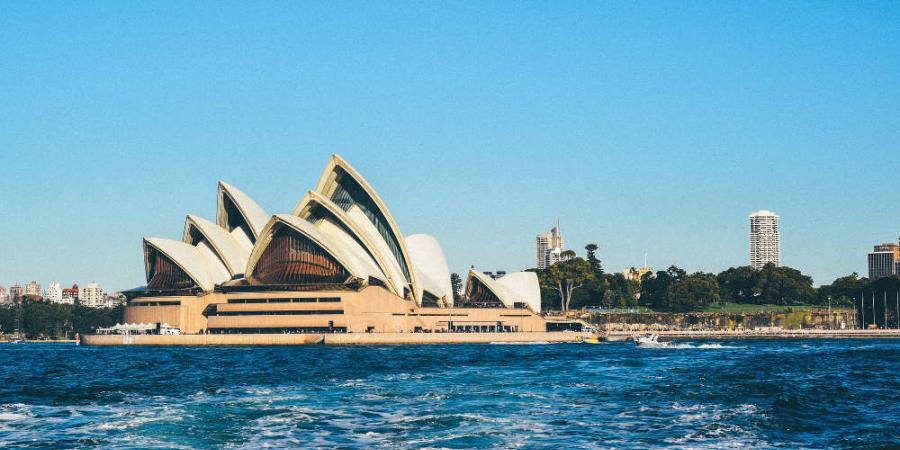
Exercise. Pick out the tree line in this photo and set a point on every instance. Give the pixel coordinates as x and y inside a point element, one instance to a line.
<point>41,320</point>
<point>577,282</point>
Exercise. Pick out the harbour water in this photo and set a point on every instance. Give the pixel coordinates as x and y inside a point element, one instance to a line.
<point>747,394</point>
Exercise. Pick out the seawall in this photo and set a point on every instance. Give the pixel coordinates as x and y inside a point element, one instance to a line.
<point>768,334</point>
<point>328,339</point>
<point>836,319</point>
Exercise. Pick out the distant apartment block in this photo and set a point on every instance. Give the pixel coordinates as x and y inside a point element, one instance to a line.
<point>70,295</point>
<point>636,273</point>
<point>765,239</point>
<point>92,296</point>
<point>33,289</point>
<point>16,292</point>
<point>53,293</point>
<point>548,248</point>
<point>884,261</point>
<point>3,297</point>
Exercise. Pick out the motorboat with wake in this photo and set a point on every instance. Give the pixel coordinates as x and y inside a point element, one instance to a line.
<point>651,341</point>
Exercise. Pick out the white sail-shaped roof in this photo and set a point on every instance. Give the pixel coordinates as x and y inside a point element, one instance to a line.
<point>203,271</point>
<point>360,232</point>
<point>524,287</point>
<point>249,214</point>
<point>521,288</point>
<point>334,221</point>
<point>341,183</point>
<point>225,246</point>
<point>334,248</point>
<point>430,265</point>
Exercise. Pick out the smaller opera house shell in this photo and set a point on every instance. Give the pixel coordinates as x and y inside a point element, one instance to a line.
<point>337,264</point>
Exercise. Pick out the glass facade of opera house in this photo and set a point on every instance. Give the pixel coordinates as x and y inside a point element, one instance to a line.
<point>337,264</point>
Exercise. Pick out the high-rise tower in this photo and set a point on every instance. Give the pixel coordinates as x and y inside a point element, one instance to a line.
<point>548,248</point>
<point>765,239</point>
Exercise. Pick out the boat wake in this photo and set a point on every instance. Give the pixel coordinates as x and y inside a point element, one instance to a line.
<point>522,343</point>
<point>703,346</point>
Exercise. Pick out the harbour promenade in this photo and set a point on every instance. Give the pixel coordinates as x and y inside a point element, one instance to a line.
<point>766,334</point>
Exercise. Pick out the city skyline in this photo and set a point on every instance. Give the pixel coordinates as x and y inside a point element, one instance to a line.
<point>638,131</point>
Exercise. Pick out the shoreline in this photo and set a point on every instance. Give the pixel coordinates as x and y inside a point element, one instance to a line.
<point>771,335</point>
<point>329,339</point>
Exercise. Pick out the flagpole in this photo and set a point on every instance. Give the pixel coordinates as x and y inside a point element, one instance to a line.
<point>874,316</point>
<point>862,308</point>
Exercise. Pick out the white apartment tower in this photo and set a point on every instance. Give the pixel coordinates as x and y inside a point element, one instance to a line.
<point>53,293</point>
<point>548,248</point>
<point>765,239</point>
<point>92,296</point>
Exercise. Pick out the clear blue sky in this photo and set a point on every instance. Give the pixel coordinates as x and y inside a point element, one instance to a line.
<point>651,125</point>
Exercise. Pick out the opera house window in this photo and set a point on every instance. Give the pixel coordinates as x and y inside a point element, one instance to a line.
<point>291,258</point>
<point>165,274</point>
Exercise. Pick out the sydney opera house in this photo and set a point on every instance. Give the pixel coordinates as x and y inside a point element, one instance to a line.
<point>337,264</point>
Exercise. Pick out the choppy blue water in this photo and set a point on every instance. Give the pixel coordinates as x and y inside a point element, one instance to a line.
<point>748,394</point>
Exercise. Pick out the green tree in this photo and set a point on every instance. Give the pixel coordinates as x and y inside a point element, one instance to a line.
<point>620,292</point>
<point>655,287</point>
<point>565,277</point>
<point>738,285</point>
<point>596,264</point>
<point>843,291</point>
<point>692,292</point>
<point>784,286</point>
<point>40,320</point>
<point>456,284</point>
<point>769,285</point>
<point>594,289</point>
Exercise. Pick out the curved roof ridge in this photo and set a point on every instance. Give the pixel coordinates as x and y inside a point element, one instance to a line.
<point>227,248</point>
<point>255,217</point>
<point>430,265</point>
<point>186,257</point>
<point>325,186</point>
<point>490,284</point>
<point>525,286</point>
<point>336,249</point>
<point>391,272</point>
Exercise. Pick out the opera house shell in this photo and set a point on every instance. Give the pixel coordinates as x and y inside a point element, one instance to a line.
<point>337,263</point>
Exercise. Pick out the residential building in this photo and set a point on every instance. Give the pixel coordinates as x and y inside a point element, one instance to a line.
<point>33,289</point>
<point>884,261</point>
<point>115,299</point>
<point>3,297</point>
<point>765,239</point>
<point>70,295</point>
<point>636,273</point>
<point>92,296</point>
<point>53,293</point>
<point>16,292</point>
<point>548,248</point>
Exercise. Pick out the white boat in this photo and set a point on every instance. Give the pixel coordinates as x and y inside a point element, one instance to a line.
<point>651,340</point>
<point>19,341</point>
